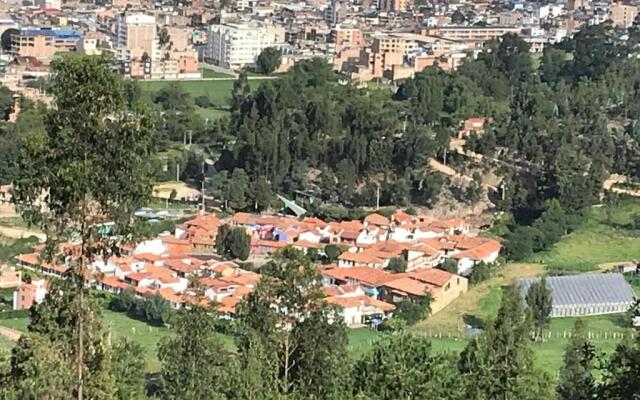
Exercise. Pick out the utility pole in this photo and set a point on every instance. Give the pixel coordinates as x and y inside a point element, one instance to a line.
<point>377,197</point>
<point>203,194</point>
<point>177,172</point>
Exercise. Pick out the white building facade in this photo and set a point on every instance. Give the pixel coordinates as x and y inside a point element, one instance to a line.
<point>235,46</point>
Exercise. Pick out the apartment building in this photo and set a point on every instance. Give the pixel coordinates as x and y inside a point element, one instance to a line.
<point>238,45</point>
<point>335,12</point>
<point>347,37</point>
<point>43,43</point>
<point>136,36</point>
<point>622,15</point>
<point>472,33</point>
<point>394,43</point>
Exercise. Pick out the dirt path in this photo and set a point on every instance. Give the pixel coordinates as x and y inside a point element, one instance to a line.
<point>10,334</point>
<point>450,318</point>
<point>19,233</point>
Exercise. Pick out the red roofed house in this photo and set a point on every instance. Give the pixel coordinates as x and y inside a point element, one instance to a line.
<point>443,286</point>
<point>486,252</point>
<point>361,309</point>
<point>471,125</point>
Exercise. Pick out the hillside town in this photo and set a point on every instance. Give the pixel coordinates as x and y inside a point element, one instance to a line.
<point>384,40</point>
<point>319,199</point>
<point>359,280</point>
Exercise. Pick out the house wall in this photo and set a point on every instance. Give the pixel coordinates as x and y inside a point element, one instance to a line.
<point>449,292</point>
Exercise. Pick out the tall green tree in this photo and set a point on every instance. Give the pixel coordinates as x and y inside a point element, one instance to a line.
<point>92,161</point>
<point>127,367</point>
<point>576,376</point>
<point>621,375</point>
<point>301,335</point>
<point>268,60</point>
<point>499,364</point>
<point>194,361</point>
<point>540,302</point>
<point>233,242</point>
<point>54,323</point>
<point>239,92</point>
<point>405,367</point>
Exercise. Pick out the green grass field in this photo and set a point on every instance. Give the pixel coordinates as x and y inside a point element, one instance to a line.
<point>217,91</point>
<point>209,73</point>
<point>120,325</point>
<point>601,240</point>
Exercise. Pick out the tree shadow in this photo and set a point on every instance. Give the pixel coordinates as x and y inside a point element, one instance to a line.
<point>473,321</point>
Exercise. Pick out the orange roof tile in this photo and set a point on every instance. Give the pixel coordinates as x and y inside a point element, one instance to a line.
<point>376,219</point>
<point>366,275</point>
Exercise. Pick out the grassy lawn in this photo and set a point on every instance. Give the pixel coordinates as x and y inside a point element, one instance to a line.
<point>120,325</point>
<point>600,241</point>
<point>480,302</point>
<point>217,91</point>
<point>210,73</point>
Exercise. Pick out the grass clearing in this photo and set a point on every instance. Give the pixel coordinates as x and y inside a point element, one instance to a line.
<point>474,304</point>
<point>601,239</point>
<point>120,325</point>
<point>210,73</point>
<point>218,91</point>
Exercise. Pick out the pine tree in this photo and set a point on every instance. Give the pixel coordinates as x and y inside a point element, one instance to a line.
<point>576,377</point>
<point>621,376</point>
<point>498,364</point>
<point>127,367</point>
<point>540,303</point>
<point>404,367</point>
<point>301,334</point>
<point>194,361</point>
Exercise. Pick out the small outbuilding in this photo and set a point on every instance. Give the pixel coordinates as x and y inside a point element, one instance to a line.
<point>580,295</point>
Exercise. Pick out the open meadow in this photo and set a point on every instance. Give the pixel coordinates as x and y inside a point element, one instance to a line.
<point>218,91</point>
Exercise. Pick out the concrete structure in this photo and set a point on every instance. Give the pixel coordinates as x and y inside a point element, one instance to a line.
<point>622,15</point>
<point>136,36</point>
<point>29,294</point>
<point>9,277</point>
<point>55,4</point>
<point>43,43</point>
<point>238,45</point>
<point>474,33</point>
<point>335,12</point>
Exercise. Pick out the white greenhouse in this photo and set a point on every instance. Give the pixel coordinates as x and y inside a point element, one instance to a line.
<point>594,294</point>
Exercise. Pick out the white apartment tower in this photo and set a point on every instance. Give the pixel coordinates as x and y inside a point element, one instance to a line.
<point>136,35</point>
<point>237,45</point>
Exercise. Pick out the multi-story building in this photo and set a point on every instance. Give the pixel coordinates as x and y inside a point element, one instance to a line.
<point>238,45</point>
<point>56,4</point>
<point>473,33</point>
<point>623,15</point>
<point>347,37</point>
<point>335,12</point>
<point>573,5</point>
<point>43,43</point>
<point>136,37</point>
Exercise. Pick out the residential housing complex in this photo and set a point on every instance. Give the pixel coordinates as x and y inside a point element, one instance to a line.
<point>359,282</point>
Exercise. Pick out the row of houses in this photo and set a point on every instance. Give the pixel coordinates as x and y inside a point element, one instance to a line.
<point>359,283</point>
